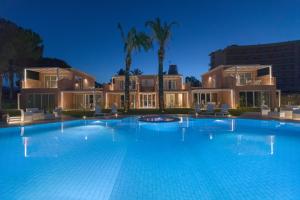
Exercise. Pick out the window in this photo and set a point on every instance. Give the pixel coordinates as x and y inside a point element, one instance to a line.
<point>79,82</point>
<point>50,81</point>
<point>170,85</point>
<point>122,85</point>
<point>249,99</point>
<point>243,99</point>
<point>170,100</point>
<point>122,101</point>
<point>244,78</point>
<point>90,101</point>
<point>202,99</point>
<point>132,84</point>
<point>98,99</point>
<point>147,100</point>
<point>214,97</point>
<point>132,101</point>
<point>257,99</point>
<point>196,98</point>
<point>147,82</point>
<point>207,97</point>
<point>32,75</point>
<point>254,98</point>
<point>263,72</point>
<point>83,101</point>
<point>265,98</point>
<point>44,102</point>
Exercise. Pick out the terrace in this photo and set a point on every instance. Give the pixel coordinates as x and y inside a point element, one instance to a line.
<point>249,75</point>
<point>56,78</point>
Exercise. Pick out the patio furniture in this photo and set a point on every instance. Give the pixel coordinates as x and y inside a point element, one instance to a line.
<point>49,116</point>
<point>210,109</point>
<point>12,120</point>
<point>57,112</point>
<point>98,111</point>
<point>114,110</point>
<point>292,107</point>
<point>287,112</point>
<point>197,109</point>
<point>277,114</point>
<point>265,110</point>
<point>224,110</point>
<point>296,114</point>
<point>35,113</point>
<point>26,116</point>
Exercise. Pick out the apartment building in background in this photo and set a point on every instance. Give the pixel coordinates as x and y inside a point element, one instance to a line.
<point>283,56</point>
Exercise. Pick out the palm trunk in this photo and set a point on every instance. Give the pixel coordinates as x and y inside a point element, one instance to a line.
<point>1,83</point>
<point>127,94</point>
<point>161,53</point>
<point>11,84</point>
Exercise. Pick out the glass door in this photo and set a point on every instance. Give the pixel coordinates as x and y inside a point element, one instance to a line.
<point>147,100</point>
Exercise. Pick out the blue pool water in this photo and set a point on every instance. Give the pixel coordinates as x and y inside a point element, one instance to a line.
<point>127,159</point>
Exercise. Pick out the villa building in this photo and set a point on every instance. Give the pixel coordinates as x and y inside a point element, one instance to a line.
<point>283,56</point>
<point>50,87</point>
<point>234,85</point>
<point>238,86</point>
<point>144,92</point>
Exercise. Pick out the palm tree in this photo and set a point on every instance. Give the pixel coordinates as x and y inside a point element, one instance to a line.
<point>133,41</point>
<point>161,33</point>
<point>136,72</point>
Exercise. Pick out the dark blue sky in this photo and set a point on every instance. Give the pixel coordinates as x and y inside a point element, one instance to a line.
<point>84,33</point>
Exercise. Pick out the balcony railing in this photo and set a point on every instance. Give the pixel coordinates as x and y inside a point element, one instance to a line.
<point>257,81</point>
<point>147,88</point>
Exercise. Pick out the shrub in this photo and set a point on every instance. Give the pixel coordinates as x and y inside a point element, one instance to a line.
<point>235,112</point>
<point>78,113</point>
<point>12,112</point>
<point>239,111</point>
<point>81,113</point>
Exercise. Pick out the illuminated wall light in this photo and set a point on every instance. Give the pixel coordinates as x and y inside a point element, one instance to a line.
<point>25,77</point>
<point>62,100</point>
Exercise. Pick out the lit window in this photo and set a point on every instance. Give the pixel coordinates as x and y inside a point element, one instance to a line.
<point>50,81</point>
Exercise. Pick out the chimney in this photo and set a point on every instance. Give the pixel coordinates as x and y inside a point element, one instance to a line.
<point>172,70</point>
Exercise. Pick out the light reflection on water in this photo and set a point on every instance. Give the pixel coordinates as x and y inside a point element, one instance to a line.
<point>111,159</point>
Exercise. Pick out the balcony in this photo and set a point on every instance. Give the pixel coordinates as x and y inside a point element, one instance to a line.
<point>147,88</point>
<point>257,81</point>
<point>171,89</point>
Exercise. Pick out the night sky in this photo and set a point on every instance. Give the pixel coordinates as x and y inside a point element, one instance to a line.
<point>84,33</point>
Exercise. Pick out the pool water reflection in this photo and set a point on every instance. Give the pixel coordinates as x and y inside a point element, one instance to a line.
<point>129,159</point>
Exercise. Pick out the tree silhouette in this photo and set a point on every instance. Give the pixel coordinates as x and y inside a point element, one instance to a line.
<point>161,33</point>
<point>136,72</point>
<point>133,41</point>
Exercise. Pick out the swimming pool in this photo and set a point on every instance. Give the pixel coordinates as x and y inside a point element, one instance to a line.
<point>127,159</point>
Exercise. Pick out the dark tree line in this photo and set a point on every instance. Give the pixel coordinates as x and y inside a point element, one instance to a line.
<point>20,48</point>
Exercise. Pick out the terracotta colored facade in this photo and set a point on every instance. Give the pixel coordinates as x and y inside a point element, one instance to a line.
<point>48,88</point>
<point>238,86</point>
<point>144,92</point>
<point>235,85</point>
